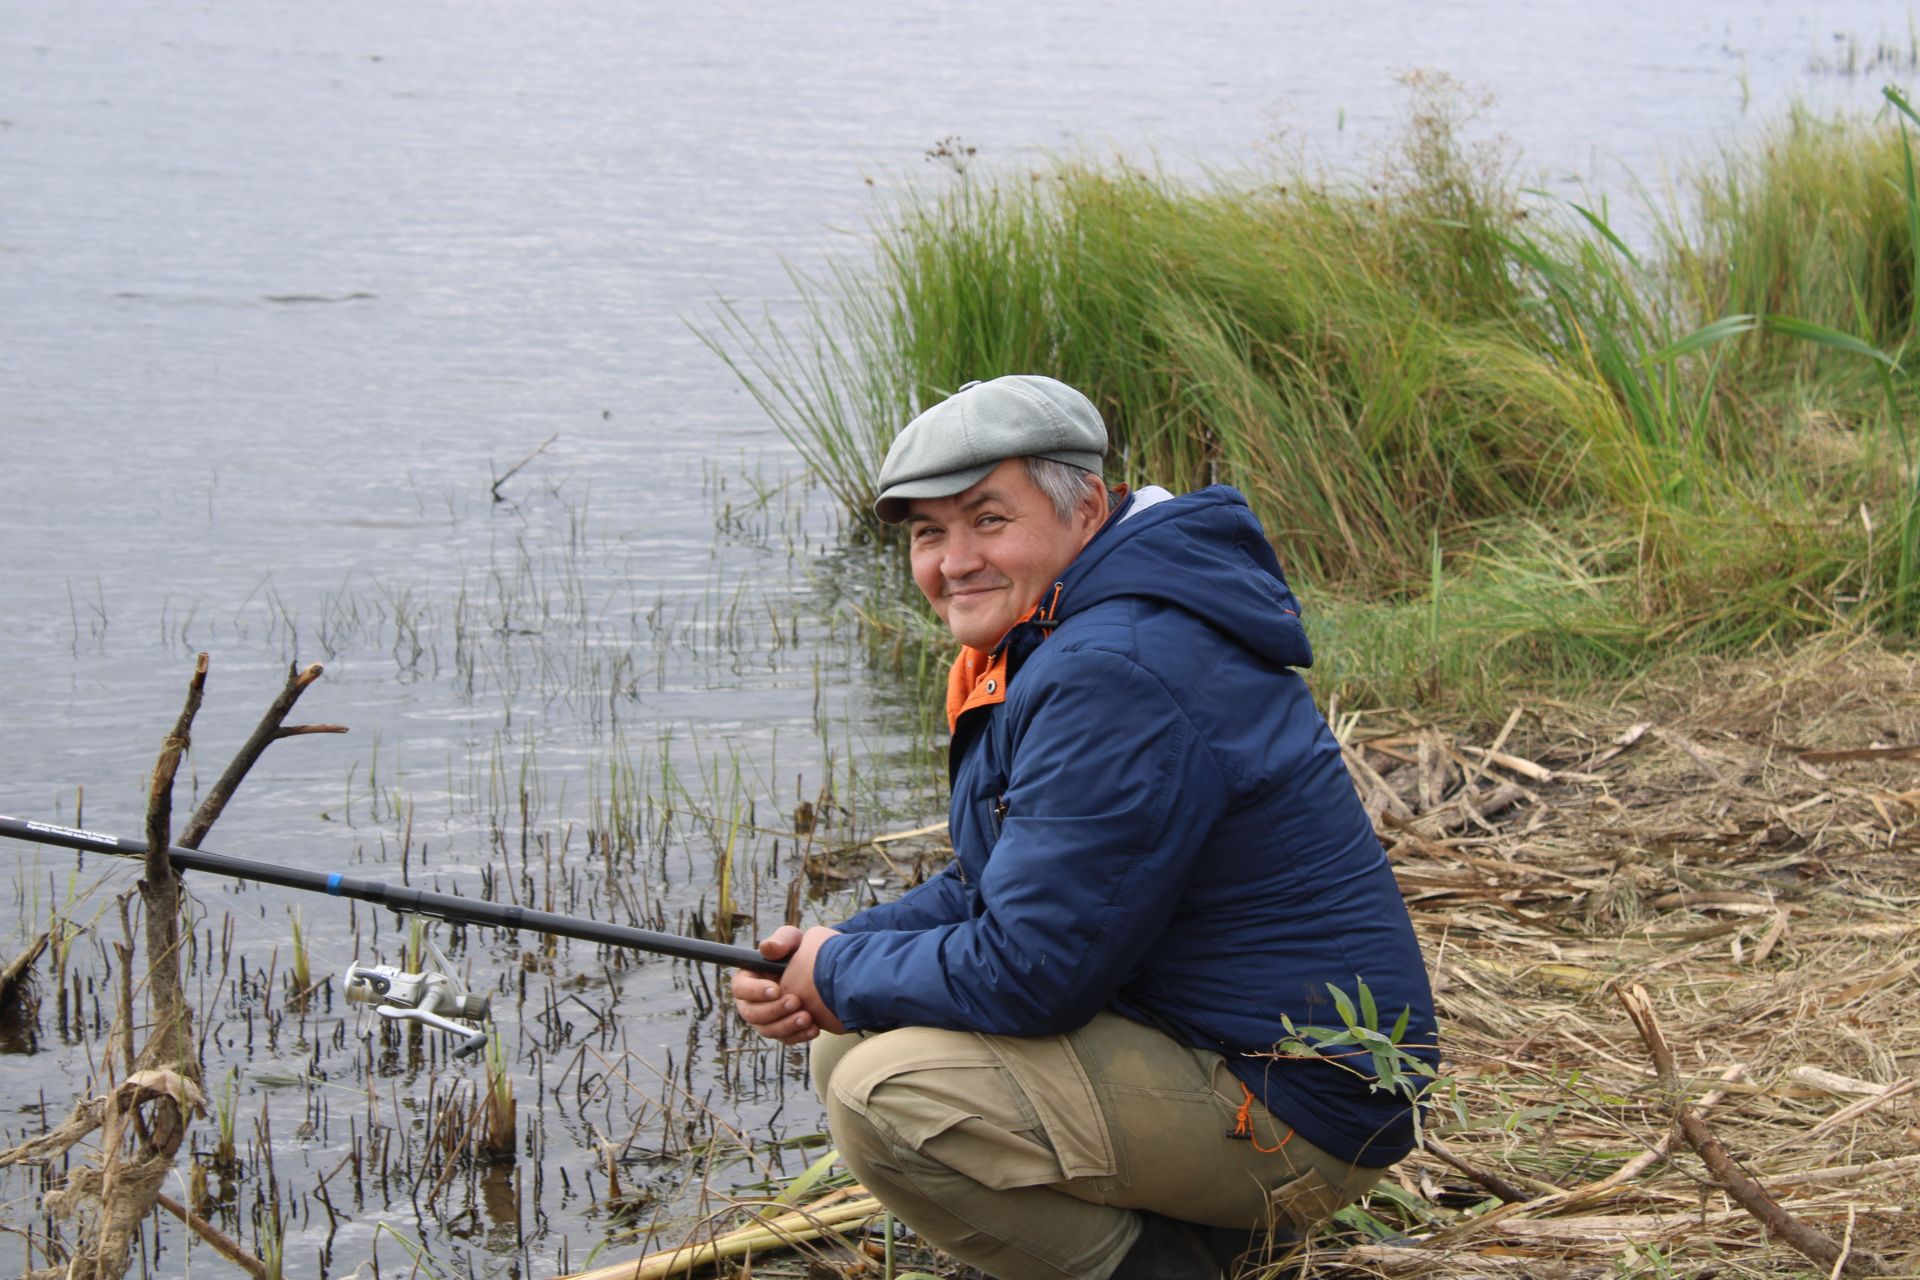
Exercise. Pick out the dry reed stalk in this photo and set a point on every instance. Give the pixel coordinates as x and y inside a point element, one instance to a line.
<point>13,977</point>
<point>831,1215</point>
<point>222,1243</point>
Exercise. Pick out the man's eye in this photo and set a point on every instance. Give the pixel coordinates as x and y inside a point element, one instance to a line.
<point>988,519</point>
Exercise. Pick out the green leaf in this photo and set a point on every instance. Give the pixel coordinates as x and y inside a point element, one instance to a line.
<point>1365,1223</point>
<point>1418,1206</point>
<point>1705,336</point>
<point>1369,1014</point>
<point>1385,1074</point>
<point>1337,1040</point>
<point>1344,1005</point>
<point>1599,224</point>
<point>1530,255</point>
<point>1899,102</point>
<point>1808,331</point>
<point>1400,1024</point>
<point>808,1178</point>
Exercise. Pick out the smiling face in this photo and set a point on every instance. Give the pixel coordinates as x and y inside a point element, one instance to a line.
<point>984,556</point>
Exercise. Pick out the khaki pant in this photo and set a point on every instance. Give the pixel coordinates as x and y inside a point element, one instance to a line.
<point>1025,1157</point>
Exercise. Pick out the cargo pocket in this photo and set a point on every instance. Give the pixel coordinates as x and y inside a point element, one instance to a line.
<point>1305,1202</point>
<point>1048,1072</point>
<point>1000,1111</point>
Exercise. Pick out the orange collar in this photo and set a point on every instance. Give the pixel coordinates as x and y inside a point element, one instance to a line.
<point>978,678</point>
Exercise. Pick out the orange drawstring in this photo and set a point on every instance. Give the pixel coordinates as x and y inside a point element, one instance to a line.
<point>1243,1125</point>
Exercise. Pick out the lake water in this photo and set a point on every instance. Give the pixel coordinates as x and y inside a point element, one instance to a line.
<point>283,288</point>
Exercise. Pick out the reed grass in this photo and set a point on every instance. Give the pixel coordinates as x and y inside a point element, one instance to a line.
<point>498,1130</point>
<point>226,1110</point>
<point>1813,222</point>
<point>1608,449</point>
<point>300,968</point>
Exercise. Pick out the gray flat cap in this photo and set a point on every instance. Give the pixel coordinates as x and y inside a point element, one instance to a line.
<point>952,446</point>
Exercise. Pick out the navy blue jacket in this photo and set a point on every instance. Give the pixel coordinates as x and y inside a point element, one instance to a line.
<point>1156,820</point>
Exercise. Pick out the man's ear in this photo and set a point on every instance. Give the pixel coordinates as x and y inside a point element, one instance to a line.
<point>1093,504</point>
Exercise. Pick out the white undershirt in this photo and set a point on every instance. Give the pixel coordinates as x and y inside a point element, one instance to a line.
<point>1151,496</point>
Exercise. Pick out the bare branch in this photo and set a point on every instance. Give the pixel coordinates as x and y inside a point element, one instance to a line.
<point>160,887</point>
<point>1513,1191</point>
<point>523,462</point>
<point>263,736</point>
<point>1750,1195</point>
<point>160,791</point>
<point>296,730</point>
<point>81,1123</point>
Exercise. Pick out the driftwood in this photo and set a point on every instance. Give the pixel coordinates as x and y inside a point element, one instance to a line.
<point>143,1121</point>
<point>771,1227</point>
<point>1390,1260</point>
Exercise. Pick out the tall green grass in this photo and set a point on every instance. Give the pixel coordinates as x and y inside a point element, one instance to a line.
<point>1814,222</point>
<point>1430,384</point>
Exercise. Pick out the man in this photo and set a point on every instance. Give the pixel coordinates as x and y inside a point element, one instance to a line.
<point>1057,1057</point>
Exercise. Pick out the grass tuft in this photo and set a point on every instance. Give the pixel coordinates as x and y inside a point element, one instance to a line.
<point>1493,441</point>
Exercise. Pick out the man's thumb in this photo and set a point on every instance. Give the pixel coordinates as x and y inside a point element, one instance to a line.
<point>780,943</point>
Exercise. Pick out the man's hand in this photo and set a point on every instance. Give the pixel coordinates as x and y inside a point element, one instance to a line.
<point>787,1008</point>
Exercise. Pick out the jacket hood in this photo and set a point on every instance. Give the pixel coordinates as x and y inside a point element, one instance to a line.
<point>1204,553</point>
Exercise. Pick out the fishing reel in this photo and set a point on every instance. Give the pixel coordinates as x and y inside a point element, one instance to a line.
<point>432,997</point>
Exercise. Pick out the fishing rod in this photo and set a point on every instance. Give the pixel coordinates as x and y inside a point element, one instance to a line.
<point>433,998</point>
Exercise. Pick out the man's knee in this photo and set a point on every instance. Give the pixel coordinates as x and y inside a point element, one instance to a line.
<point>940,1097</point>
<point>824,1056</point>
<point>891,1081</point>
<point>831,1054</point>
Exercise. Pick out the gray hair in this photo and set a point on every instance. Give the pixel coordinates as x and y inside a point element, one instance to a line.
<point>1065,485</point>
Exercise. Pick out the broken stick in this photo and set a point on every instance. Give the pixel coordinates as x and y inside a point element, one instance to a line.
<point>1749,1194</point>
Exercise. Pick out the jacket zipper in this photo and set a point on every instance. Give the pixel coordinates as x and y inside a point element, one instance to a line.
<point>999,816</point>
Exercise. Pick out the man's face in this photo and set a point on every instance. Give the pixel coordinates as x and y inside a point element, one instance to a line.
<point>984,557</point>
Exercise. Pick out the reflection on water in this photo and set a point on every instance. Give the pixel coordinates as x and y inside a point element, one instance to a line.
<point>284,291</point>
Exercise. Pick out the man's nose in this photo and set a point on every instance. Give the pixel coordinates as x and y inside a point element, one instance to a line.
<point>962,555</point>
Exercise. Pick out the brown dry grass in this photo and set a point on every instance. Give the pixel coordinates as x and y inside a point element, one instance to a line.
<point>1740,840</point>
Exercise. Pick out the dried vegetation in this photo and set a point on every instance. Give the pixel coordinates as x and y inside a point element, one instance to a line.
<point>1738,842</point>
